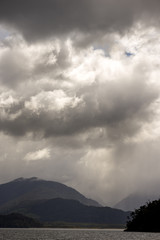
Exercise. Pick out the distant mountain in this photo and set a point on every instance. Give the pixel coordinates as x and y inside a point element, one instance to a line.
<point>135,200</point>
<point>16,220</point>
<point>21,189</point>
<point>72,211</point>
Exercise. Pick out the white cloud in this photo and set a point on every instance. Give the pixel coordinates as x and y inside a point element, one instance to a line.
<point>51,100</point>
<point>38,155</point>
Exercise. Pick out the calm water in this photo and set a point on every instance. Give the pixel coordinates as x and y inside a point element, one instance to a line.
<point>61,234</point>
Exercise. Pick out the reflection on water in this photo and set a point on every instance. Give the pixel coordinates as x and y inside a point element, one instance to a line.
<point>74,234</point>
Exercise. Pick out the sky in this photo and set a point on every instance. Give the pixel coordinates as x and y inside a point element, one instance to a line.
<point>80,94</point>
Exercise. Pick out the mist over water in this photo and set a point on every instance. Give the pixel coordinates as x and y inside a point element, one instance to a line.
<point>72,234</point>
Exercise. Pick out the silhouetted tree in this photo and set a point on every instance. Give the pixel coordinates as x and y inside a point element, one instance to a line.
<point>146,218</point>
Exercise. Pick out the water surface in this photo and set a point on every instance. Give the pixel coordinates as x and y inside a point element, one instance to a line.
<point>74,234</point>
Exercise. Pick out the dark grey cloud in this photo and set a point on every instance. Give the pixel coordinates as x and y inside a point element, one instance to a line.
<point>121,110</point>
<point>40,19</point>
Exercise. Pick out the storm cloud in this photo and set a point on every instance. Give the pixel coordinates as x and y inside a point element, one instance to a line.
<point>41,19</point>
<point>80,94</point>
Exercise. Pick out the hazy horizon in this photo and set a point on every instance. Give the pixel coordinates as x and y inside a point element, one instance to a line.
<point>80,94</point>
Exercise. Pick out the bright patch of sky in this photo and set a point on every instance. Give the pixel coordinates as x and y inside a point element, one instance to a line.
<point>129,54</point>
<point>3,33</point>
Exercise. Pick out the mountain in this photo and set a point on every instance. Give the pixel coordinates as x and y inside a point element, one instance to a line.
<point>16,220</point>
<point>21,189</point>
<point>135,200</point>
<point>53,202</point>
<point>72,211</point>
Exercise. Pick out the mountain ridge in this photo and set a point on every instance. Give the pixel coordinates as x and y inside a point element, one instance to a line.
<point>53,202</point>
<point>25,189</point>
<point>135,200</point>
<point>66,210</point>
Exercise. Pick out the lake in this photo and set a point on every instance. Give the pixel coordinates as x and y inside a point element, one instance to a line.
<point>74,234</point>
